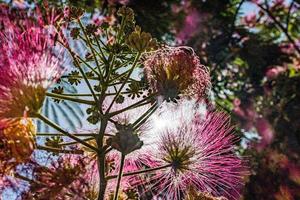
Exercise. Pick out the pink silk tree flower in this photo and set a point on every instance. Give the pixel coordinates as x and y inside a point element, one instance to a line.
<point>17,143</point>
<point>62,179</point>
<point>250,20</point>
<point>174,72</point>
<point>275,71</point>
<point>198,155</point>
<point>266,132</point>
<point>29,65</point>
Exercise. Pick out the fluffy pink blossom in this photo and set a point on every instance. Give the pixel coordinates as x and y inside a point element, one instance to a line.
<point>245,112</point>
<point>283,193</point>
<point>191,23</point>
<point>266,132</point>
<point>250,19</point>
<point>251,119</point>
<point>17,143</point>
<point>114,2</point>
<point>28,65</point>
<point>62,179</point>
<point>275,71</point>
<point>175,72</point>
<point>198,155</point>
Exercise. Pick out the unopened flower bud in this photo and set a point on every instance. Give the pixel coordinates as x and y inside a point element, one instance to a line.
<point>141,41</point>
<point>125,140</point>
<point>126,13</point>
<point>71,13</point>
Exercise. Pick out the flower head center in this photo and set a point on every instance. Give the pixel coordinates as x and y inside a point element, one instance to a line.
<point>180,157</point>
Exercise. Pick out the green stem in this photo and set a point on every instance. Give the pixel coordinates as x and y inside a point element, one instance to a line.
<point>86,80</point>
<point>111,94</point>
<point>24,178</point>
<point>77,64</point>
<point>59,134</point>
<point>101,160</point>
<point>91,48</point>
<point>68,98</point>
<point>56,150</point>
<point>135,105</point>
<point>58,128</point>
<point>89,66</point>
<point>100,49</point>
<point>119,176</point>
<point>78,77</point>
<point>71,143</point>
<point>90,95</point>
<point>125,81</point>
<point>121,29</point>
<point>102,181</point>
<point>140,171</point>
<point>78,95</point>
<point>141,120</point>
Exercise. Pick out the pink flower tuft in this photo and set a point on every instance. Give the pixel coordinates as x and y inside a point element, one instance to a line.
<point>29,64</point>
<point>250,20</point>
<point>174,72</point>
<point>17,143</point>
<point>62,178</point>
<point>191,24</point>
<point>273,72</point>
<point>265,130</point>
<point>199,155</point>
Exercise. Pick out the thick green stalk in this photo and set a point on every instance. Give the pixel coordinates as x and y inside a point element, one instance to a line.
<point>119,176</point>
<point>102,179</point>
<point>101,160</point>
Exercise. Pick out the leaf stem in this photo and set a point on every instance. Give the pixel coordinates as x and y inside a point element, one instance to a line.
<point>58,128</point>
<point>135,105</point>
<point>140,171</point>
<point>56,150</point>
<point>125,81</point>
<point>68,98</point>
<point>71,143</point>
<point>91,48</point>
<point>59,134</point>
